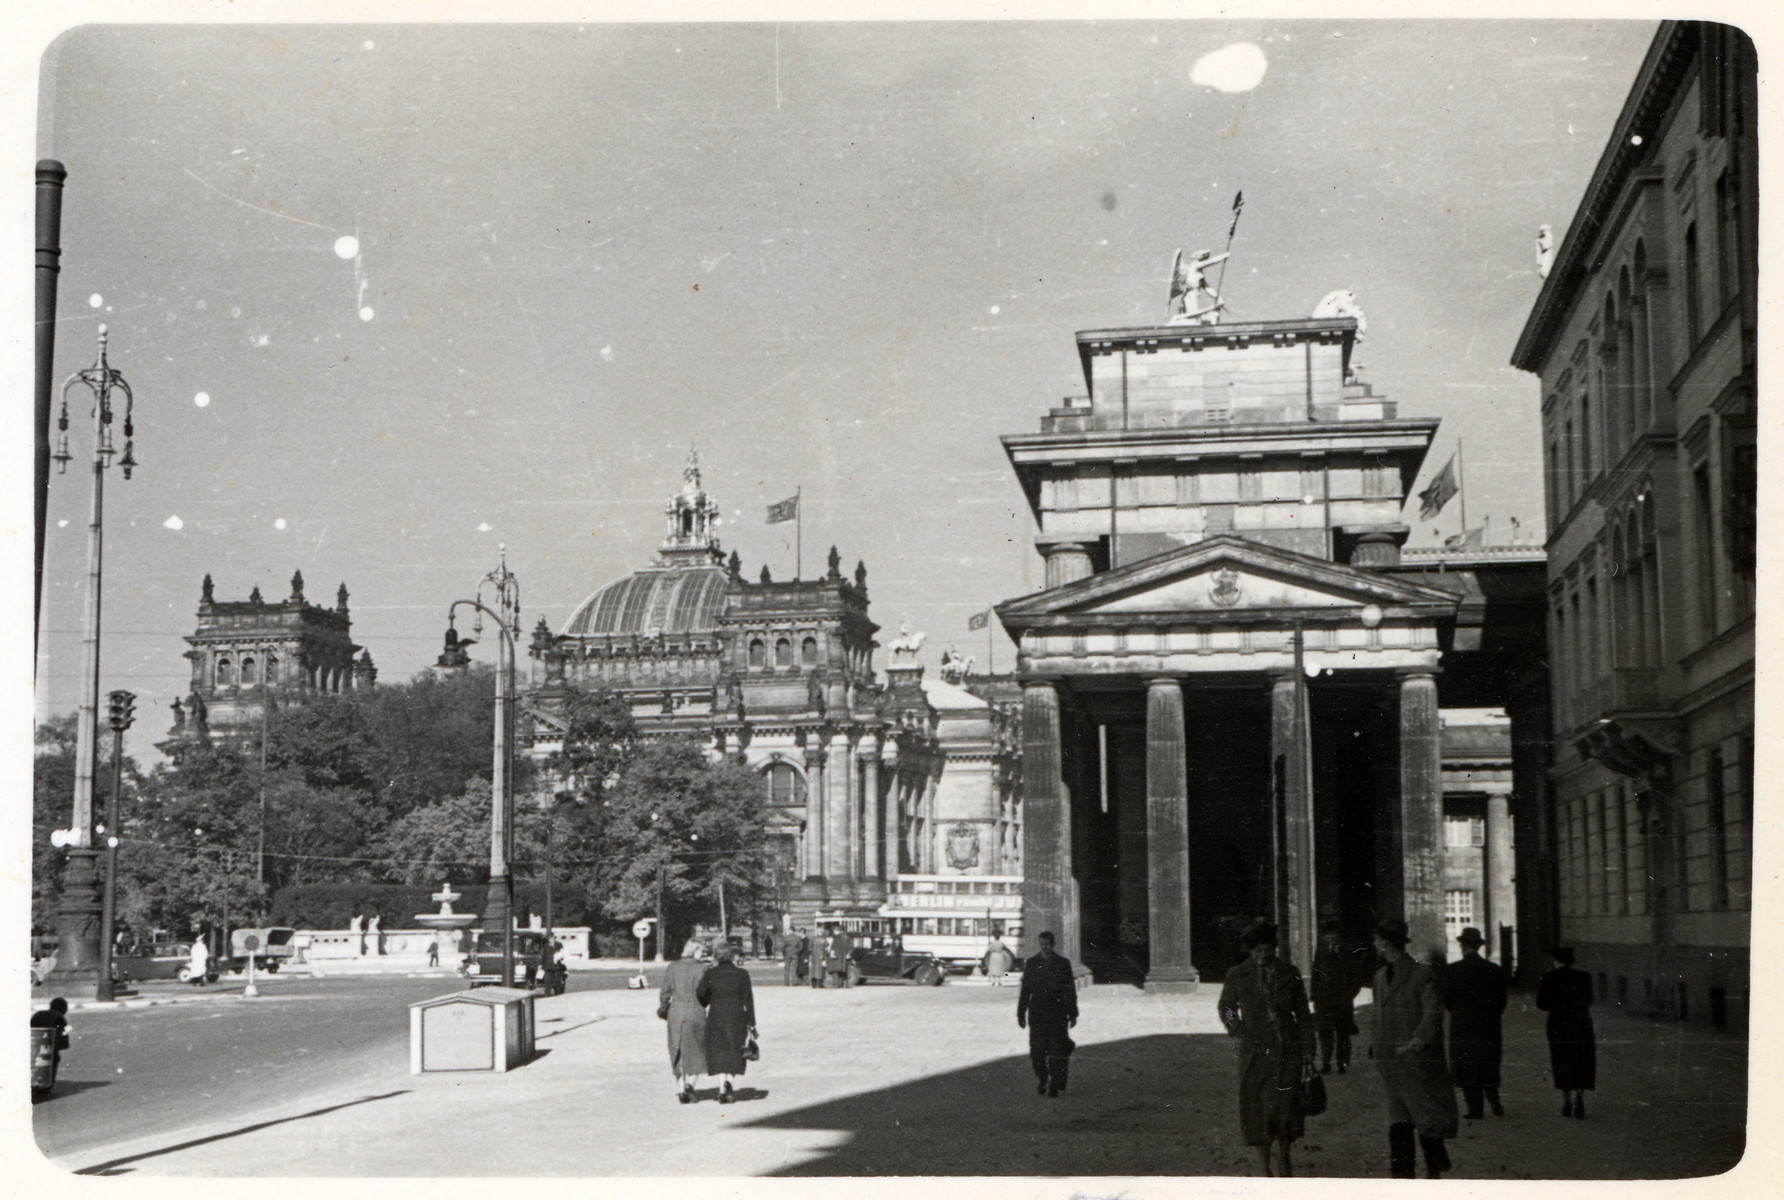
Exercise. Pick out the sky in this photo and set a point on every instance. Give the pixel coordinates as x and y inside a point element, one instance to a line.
<point>391,297</point>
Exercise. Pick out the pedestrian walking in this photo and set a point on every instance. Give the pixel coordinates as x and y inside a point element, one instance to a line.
<point>1406,1042</point>
<point>680,1004</point>
<point>799,959</point>
<point>433,953</point>
<point>836,959</point>
<point>1474,992</point>
<point>730,1019</point>
<point>999,960</point>
<point>1337,978</point>
<point>198,964</point>
<point>55,1018</point>
<point>1565,993</point>
<point>1047,1006</point>
<point>1263,1003</point>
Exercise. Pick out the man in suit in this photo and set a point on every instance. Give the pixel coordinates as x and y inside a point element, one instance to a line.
<point>1407,1046</point>
<point>1336,981</point>
<point>1048,1006</point>
<point>1474,992</point>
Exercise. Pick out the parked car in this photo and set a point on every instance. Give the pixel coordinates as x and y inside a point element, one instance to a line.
<point>158,960</point>
<point>885,960</point>
<point>484,963</point>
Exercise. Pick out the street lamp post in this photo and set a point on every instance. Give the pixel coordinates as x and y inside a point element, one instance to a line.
<point>78,914</point>
<point>122,713</point>
<point>505,589</point>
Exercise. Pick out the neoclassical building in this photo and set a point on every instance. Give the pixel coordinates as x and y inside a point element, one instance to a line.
<point>867,778</point>
<point>247,654</point>
<point>1645,339</point>
<point>1231,684</point>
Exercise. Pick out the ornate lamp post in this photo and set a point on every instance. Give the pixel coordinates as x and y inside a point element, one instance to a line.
<point>78,917</point>
<point>505,595</point>
<point>121,713</point>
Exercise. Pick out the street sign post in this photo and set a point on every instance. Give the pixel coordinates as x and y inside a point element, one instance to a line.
<point>251,943</point>
<point>641,930</point>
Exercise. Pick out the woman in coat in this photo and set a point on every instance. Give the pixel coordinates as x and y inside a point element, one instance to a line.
<point>1406,1043</point>
<point>1565,993</point>
<point>1264,1004</point>
<point>730,1018</point>
<point>679,1004</point>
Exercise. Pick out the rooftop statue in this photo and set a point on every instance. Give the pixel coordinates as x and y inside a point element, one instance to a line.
<point>1545,249</point>
<point>1343,303</point>
<point>1193,302</point>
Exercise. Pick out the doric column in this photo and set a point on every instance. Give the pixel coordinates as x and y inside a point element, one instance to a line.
<point>1420,832</point>
<point>816,800</point>
<point>1047,874</point>
<point>1066,562</point>
<point>1167,839</point>
<point>838,844</point>
<point>1291,784</point>
<point>872,821</point>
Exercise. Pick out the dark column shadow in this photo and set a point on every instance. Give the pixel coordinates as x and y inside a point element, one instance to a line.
<point>68,1087</point>
<point>111,1167</point>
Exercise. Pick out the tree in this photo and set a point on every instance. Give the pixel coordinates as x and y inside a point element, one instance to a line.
<point>445,840</point>
<point>52,807</point>
<point>699,825</point>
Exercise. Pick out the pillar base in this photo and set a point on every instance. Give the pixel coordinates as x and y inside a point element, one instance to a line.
<point>1173,983</point>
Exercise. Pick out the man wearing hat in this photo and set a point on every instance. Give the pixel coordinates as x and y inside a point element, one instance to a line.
<point>1337,978</point>
<point>1406,1042</point>
<point>1474,992</point>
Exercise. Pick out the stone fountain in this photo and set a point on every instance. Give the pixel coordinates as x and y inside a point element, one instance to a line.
<point>446,921</point>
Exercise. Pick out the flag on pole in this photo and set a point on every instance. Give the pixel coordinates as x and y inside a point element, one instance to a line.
<point>1238,203</point>
<point>978,620</point>
<point>1441,491</point>
<point>786,510</point>
<point>1473,539</point>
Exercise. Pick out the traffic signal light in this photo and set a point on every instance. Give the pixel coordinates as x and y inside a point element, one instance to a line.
<point>123,710</point>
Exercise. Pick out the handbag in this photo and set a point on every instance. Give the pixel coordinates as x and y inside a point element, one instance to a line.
<point>751,1051</point>
<point>1313,1095</point>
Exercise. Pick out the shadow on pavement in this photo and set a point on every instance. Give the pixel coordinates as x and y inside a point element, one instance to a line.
<point>68,1087</point>
<point>112,1167</point>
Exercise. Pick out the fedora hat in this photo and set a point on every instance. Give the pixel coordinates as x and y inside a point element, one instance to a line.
<point>1471,937</point>
<point>1393,929</point>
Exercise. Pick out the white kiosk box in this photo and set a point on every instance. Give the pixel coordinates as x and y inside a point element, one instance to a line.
<point>483,1029</point>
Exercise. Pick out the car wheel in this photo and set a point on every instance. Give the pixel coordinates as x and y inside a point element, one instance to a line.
<point>929,976</point>
<point>184,975</point>
<point>272,967</point>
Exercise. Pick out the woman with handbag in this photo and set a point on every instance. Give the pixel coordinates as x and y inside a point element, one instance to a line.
<point>679,1004</point>
<point>730,1019</point>
<point>1264,1004</point>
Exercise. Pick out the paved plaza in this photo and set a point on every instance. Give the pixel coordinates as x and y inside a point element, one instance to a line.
<point>935,1081</point>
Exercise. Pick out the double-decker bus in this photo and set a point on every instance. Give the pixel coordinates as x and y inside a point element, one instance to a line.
<point>954,917</point>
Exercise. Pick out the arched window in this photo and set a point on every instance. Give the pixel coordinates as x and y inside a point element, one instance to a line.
<point>808,652</point>
<point>248,679</point>
<point>225,671</point>
<point>272,668</point>
<point>758,654</point>
<point>785,785</point>
<point>783,653</point>
<point>1693,271</point>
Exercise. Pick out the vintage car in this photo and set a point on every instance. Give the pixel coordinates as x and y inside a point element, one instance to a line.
<point>273,947</point>
<point>158,960</point>
<point>879,959</point>
<point>484,963</point>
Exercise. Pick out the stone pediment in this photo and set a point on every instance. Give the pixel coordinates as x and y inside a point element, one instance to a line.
<point>1226,578</point>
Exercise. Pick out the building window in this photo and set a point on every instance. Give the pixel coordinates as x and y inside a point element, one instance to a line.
<point>1728,240</point>
<point>1458,910</point>
<point>786,787</point>
<point>1552,482</point>
<point>248,678</point>
<point>225,671</point>
<point>808,652</point>
<point>1693,272</point>
<point>1588,470</point>
<point>783,653</point>
<point>1464,831</point>
<point>1568,473</point>
<point>1705,527</point>
<point>758,654</point>
<point>272,668</point>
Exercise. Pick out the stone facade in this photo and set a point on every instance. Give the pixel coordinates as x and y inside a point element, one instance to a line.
<point>249,654</point>
<point>779,675</point>
<point>1645,340</point>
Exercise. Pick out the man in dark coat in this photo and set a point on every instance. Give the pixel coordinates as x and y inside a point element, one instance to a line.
<point>1336,981</point>
<point>730,1017</point>
<point>1407,1046</point>
<point>1474,992</point>
<point>836,959</point>
<point>54,1017</point>
<point>1048,1006</point>
<point>798,958</point>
